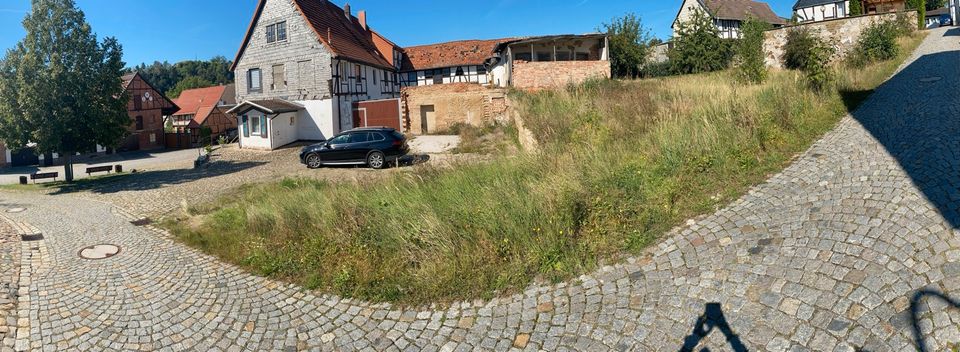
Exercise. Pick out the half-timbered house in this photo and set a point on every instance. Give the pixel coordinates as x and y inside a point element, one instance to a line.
<point>146,108</point>
<point>314,58</point>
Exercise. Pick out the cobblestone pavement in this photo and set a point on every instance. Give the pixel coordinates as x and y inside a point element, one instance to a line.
<point>846,249</point>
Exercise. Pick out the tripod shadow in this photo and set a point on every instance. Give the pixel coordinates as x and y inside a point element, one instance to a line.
<point>915,312</point>
<point>712,318</point>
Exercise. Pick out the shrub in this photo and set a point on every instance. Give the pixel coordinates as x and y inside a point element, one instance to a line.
<point>698,46</point>
<point>800,41</point>
<point>656,69</point>
<point>749,51</point>
<point>856,8</point>
<point>817,67</point>
<point>878,42</point>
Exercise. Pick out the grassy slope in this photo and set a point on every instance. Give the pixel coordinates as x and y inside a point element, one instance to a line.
<point>623,162</point>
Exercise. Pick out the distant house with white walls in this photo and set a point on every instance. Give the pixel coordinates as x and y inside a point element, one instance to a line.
<point>302,67</point>
<point>820,10</point>
<point>727,15</point>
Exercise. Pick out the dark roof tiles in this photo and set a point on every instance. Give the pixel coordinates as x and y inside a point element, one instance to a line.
<point>741,10</point>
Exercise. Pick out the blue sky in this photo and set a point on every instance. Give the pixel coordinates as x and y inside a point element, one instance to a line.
<point>176,30</point>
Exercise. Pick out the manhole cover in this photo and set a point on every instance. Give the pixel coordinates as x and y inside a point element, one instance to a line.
<point>100,251</point>
<point>16,210</point>
<point>930,79</point>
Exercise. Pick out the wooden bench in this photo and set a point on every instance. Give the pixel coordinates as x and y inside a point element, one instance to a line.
<point>94,169</point>
<point>44,175</point>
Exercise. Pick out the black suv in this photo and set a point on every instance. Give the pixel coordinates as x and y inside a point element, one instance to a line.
<point>371,146</point>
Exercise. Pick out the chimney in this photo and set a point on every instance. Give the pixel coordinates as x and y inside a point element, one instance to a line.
<point>362,15</point>
<point>346,10</point>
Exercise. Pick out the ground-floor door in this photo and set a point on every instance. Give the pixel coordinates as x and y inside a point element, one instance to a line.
<point>377,113</point>
<point>427,115</point>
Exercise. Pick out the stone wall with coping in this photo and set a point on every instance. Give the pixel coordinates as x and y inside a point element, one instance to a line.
<point>556,74</point>
<point>841,33</point>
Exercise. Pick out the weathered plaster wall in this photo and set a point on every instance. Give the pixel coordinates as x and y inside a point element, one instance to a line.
<point>842,34</point>
<point>558,74</point>
<point>452,103</point>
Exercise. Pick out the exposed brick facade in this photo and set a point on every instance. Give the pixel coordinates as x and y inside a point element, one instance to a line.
<point>557,74</point>
<point>452,103</point>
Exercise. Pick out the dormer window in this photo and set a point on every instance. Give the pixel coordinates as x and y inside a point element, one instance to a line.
<point>277,32</point>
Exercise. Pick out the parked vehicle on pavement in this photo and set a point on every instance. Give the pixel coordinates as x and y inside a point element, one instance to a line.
<point>375,147</point>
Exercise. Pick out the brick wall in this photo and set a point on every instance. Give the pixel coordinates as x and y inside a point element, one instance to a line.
<point>842,34</point>
<point>556,74</point>
<point>452,103</point>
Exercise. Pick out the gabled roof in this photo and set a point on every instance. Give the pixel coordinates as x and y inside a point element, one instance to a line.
<point>130,77</point>
<point>270,106</point>
<point>810,3</point>
<point>457,53</point>
<point>741,10</point>
<point>201,102</point>
<point>737,10</point>
<point>341,34</point>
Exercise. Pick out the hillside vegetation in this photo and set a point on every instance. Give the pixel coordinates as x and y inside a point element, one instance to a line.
<point>622,162</point>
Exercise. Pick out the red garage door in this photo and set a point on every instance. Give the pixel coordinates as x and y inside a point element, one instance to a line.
<point>377,113</point>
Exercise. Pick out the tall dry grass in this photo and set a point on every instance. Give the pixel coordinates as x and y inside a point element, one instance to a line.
<point>621,163</point>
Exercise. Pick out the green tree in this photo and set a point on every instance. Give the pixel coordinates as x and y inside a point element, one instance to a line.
<point>856,8</point>
<point>748,51</point>
<point>188,83</point>
<point>698,46</point>
<point>628,45</point>
<point>921,7</point>
<point>935,4</point>
<point>60,88</point>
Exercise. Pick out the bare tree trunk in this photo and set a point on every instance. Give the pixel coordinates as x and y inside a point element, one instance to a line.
<point>68,167</point>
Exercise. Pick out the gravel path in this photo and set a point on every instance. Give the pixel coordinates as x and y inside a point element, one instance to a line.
<point>846,249</point>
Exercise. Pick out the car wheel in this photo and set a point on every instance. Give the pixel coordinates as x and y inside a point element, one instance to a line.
<point>376,160</point>
<point>313,161</point>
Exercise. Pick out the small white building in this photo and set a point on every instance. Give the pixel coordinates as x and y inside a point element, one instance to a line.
<point>820,10</point>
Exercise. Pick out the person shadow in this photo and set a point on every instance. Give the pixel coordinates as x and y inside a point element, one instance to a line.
<point>711,319</point>
<point>917,308</point>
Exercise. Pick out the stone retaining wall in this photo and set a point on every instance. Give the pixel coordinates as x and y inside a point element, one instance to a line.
<point>841,33</point>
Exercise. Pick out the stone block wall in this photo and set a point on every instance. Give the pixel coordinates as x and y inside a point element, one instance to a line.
<point>556,74</point>
<point>452,103</point>
<point>841,33</point>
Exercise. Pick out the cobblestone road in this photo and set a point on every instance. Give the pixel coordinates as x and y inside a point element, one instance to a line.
<point>830,255</point>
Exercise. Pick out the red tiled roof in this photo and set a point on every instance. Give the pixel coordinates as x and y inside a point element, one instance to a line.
<point>458,53</point>
<point>741,9</point>
<point>199,102</point>
<point>343,36</point>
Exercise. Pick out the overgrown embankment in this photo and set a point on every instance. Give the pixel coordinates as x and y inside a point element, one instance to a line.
<point>620,164</point>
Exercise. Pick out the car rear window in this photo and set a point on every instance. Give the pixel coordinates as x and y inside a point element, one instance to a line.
<point>398,135</point>
<point>376,137</point>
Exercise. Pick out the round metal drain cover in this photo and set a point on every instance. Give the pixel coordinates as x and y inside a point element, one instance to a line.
<point>16,210</point>
<point>100,251</point>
